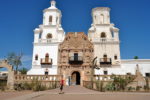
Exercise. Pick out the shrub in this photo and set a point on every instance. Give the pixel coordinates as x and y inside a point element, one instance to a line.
<point>146,87</point>
<point>34,85</point>
<point>110,86</point>
<point>120,83</point>
<point>3,85</point>
<point>131,88</point>
<point>138,88</point>
<point>99,86</point>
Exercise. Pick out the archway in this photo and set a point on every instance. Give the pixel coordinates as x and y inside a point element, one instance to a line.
<point>75,78</point>
<point>10,79</point>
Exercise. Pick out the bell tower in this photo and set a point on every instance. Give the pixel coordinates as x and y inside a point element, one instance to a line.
<point>105,37</point>
<point>101,16</point>
<point>47,38</point>
<point>52,15</point>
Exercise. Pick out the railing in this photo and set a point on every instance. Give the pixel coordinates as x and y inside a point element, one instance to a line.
<point>47,40</point>
<point>103,40</point>
<point>3,77</point>
<point>45,61</point>
<point>37,77</point>
<point>105,61</point>
<point>100,81</point>
<point>74,60</point>
<point>79,58</point>
<point>50,81</point>
<point>106,77</point>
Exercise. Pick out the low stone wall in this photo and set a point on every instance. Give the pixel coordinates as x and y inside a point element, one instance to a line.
<point>46,80</point>
<point>106,77</point>
<point>100,82</point>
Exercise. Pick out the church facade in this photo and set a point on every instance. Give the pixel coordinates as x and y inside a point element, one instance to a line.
<point>72,54</point>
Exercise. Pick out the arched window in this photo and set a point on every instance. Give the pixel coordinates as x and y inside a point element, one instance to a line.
<point>103,35</point>
<point>50,19</point>
<point>102,19</point>
<point>36,57</point>
<point>49,36</point>
<point>95,19</point>
<point>57,20</point>
<point>105,56</point>
<point>47,58</point>
<point>40,35</point>
<point>47,55</point>
<point>115,57</point>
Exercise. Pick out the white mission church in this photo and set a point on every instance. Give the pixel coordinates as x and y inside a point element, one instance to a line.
<point>102,34</point>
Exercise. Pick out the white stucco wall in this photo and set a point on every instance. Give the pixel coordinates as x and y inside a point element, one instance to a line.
<point>43,45</point>
<point>127,66</point>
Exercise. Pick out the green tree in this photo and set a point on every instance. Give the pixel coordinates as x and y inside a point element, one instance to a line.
<point>23,70</point>
<point>15,60</point>
<point>136,57</point>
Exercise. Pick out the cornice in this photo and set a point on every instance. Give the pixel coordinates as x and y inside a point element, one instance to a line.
<point>101,9</point>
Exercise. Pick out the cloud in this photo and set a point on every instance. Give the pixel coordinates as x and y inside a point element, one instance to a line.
<point>26,58</point>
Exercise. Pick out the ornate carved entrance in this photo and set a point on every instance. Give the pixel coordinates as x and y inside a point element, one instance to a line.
<point>75,56</point>
<point>75,78</point>
<point>10,79</point>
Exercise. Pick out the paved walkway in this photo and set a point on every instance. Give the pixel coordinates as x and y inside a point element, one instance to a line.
<point>81,93</point>
<point>74,90</point>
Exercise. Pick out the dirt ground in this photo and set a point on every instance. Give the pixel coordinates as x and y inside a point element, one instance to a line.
<point>12,94</point>
<point>106,96</point>
<point>73,93</point>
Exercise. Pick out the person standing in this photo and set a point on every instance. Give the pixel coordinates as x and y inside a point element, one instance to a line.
<point>61,86</point>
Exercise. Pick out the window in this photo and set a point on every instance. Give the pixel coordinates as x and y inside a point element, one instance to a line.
<point>105,56</point>
<point>47,55</point>
<point>40,35</point>
<point>46,73</point>
<point>105,72</point>
<point>129,74</point>
<point>47,58</point>
<point>147,74</point>
<point>95,17</point>
<point>56,19</point>
<point>50,19</point>
<point>103,35</point>
<point>102,19</point>
<point>36,57</point>
<point>49,36</point>
<point>76,56</point>
<point>115,57</point>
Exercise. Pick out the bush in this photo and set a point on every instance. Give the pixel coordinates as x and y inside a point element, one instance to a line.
<point>27,86</point>
<point>18,86</point>
<point>120,83</point>
<point>131,88</point>
<point>38,87</point>
<point>146,87</point>
<point>34,85</point>
<point>3,85</point>
<point>138,88</point>
<point>110,87</point>
<point>99,86</point>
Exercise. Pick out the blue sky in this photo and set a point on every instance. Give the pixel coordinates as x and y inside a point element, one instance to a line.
<point>18,18</point>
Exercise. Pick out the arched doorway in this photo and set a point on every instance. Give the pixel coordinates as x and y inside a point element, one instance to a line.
<point>10,79</point>
<point>75,78</point>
